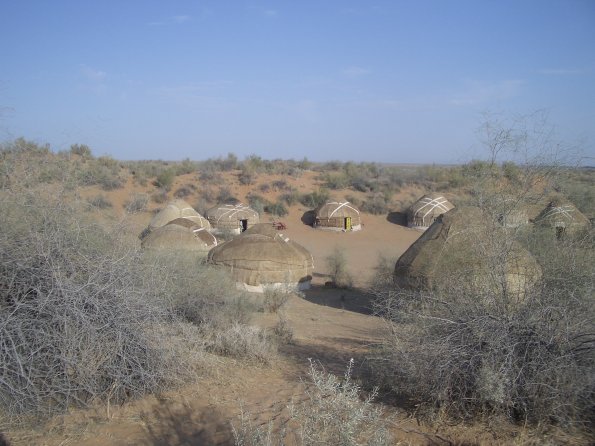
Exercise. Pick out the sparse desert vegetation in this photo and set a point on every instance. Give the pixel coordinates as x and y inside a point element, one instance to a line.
<point>89,319</point>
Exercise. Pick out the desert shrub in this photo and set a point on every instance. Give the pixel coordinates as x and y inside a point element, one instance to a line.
<point>334,412</point>
<point>337,265</point>
<point>282,330</point>
<point>208,194</point>
<point>183,192</point>
<point>280,185</point>
<point>225,196</point>
<point>220,164</point>
<point>276,209</point>
<point>335,180</point>
<point>100,201</point>
<point>104,171</point>
<point>258,202</point>
<point>274,300</point>
<point>315,198</point>
<point>376,204</point>
<point>80,319</point>
<point>160,196</point>
<point>361,184</point>
<point>290,198</point>
<point>81,150</point>
<point>264,188</point>
<point>577,186</point>
<point>185,167</point>
<point>137,203</point>
<point>354,200</point>
<point>247,176</point>
<point>241,341</point>
<point>165,179</point>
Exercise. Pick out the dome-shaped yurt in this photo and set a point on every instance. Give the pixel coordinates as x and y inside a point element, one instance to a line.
<point>465,249</point>
<point>563,217</point>
<point>178,209</point>
<point>180,235</point>
<point>338,216</point>
<point>235,218</point>
<point>261,258</point>
<point>426,210</point>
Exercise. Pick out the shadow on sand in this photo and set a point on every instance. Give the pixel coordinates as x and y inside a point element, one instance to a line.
<point>350,299</point>
<point>177,424</point>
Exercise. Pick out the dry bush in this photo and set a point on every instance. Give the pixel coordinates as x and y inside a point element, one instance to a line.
<point>471,351</point>
<point>208,298</point>
<point>100,201</point>
<point>337,265</point>
<point>104,171</point>
<point>137,203</point>
<point>79,316</point>
<point>160,196</point>
<point>334,412</point>
<point>315,199</point>
<point>240,341</point>
<point>282,330</point>
<point>274,300</point>
<point>165,179</point>
<point>225,196</point>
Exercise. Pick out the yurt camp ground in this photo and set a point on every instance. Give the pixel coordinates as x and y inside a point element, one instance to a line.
<point>330,325</point>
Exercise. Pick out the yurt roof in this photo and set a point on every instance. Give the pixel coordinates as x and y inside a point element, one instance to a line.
<point>562,211</point>
<point>180,235</point>
<point>177,209</point>
<point>337,209</point>
<point>462,244</point>
<point>231,212</point>
<point>262,243</point>
<point>431,204</point>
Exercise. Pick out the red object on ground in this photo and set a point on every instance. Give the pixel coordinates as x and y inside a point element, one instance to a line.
<point>279,225</point>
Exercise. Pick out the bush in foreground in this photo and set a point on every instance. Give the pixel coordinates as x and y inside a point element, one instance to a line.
<point>77,314</point>
<point>333,413</point>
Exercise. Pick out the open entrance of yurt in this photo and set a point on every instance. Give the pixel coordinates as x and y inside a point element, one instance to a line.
<point>243,225</point>
<point>348,223</point>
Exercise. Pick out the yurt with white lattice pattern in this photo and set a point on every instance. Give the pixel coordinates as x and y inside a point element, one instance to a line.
<point>426,210</point>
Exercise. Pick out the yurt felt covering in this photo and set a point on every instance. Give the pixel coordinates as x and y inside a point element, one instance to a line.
<point>260,255</point>
<point>180,235</point>
<point>178,209</point>
<point>228,216</point>
<point>559,214</point>
<point>463,247</point>
<point>425,210</point>
<point>332,215</point>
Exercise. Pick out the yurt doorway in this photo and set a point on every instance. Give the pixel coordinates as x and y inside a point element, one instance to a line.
<point>243,225</point>
<point>348,223</point>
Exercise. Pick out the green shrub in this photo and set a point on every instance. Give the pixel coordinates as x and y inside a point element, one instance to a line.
<point>276,209</point>
<point>165,179</point>
<point>290,198</point>
<point>315,198</point>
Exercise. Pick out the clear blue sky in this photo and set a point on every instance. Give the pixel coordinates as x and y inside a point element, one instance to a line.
<point>390,81</point>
